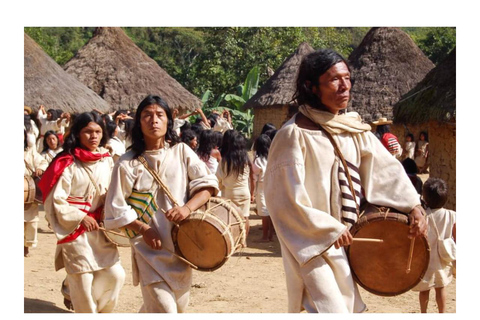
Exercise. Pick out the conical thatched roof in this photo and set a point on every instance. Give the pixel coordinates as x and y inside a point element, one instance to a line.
<point>122,74</point>
<point>386,65</point>
<point>45,82</point>
<point>280,87</point>
<point>434,98</point>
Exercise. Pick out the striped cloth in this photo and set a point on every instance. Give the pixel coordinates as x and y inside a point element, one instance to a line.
<point>144,205</point>
<point>390,142</point>
<point>349,208</point>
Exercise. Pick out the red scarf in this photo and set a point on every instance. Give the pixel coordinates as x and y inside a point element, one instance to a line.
<point>55,170</point>
<point>63,160</point>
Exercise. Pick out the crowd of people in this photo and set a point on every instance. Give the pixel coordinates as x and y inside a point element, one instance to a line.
<point>148,169</point>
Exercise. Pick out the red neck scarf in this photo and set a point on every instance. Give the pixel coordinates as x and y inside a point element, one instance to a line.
<point>62,161</point>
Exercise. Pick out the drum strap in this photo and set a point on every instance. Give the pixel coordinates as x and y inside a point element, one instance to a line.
<point>29,167</point>
<point>156,176</point>
<point>345,166</point>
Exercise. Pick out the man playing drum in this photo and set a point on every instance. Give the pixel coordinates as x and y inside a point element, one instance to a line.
<point>308,195</point>
<point>136,202</point>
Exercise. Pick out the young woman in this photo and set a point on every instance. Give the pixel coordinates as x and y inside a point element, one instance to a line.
<point>137,202</point>
<point>51,146</point>
<point>74,188</point>
<point>259,166</point>
<point>35,165</point>
<point>234,172</point>
<point>208,151</point>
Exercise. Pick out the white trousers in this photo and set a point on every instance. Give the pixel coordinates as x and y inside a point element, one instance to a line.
<point>98,291</point>
<point>158,297</point>
<point>30,234</point>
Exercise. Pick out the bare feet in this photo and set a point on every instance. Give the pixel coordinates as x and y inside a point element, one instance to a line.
<point>25,252</point>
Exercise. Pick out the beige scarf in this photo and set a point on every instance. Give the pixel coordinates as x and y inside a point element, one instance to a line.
<point>335,123</point>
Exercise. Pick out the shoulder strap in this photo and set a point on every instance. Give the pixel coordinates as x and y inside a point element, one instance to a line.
<point>29,167</point>
<point>97,188</point>
<point>344,163</point>
<point>155,175</point>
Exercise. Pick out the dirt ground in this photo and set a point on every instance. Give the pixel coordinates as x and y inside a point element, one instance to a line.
<point>252,281</point>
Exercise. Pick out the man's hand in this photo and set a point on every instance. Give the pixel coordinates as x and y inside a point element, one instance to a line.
<point>418,223</point>
<point>345,239</point>
<point>177,214</point>
<point>152,238</point>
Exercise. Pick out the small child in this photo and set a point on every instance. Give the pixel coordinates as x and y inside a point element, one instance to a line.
<point>440,272</point>
<point>409,148</point>
<point>261,147</point>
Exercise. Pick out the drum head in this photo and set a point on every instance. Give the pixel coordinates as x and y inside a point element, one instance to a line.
<point>381,268</point>
<point>201,241</point>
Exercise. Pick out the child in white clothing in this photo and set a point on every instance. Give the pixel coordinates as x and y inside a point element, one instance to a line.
<point>440,272</point>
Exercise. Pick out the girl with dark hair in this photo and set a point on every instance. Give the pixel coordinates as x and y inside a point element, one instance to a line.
<point>34,166</point>
<point>208,149</point>
<point>50,121</point>
<point>139,204</point>
<point>268,126</point>
<point>421,158</point>
<point>261,147</point>
<point>73,189</point>
<point>409,148</point>
<point>189,137</point>
<point>307,192</point>
<point>51,146</point>
<point>115,146</point>
<point>234,172</point>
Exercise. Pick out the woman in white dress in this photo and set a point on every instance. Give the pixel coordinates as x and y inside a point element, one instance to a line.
<point>208,151</point>
<point>234,173</point>
<point>51,146</point>
<point>74,188</point>
<point>259,166</point>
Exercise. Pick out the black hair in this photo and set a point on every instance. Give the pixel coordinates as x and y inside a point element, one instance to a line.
<point>138,142</point>
<point>311,68</point>
<point>271,133</point>
<point>212,119</point>
<point>262,145</point>
<point>54,114</point>
<point>218,138</point>
<point>410,166</point>
<point>267,126</point>
<point>110,126</point>
<point>187,136</point>
<point>186,126</point>
<point>381,130</point>
<point>26,122</point>
<point>411,136</point>
<point>129,123</point>
<point>72,138</point>
<point>197,127</point>
<point>25,142</point>
<point>435,192</point>
<point>47,134</point>
<point>425,134</point>
<point>234,153</point>
<point>207,142</point>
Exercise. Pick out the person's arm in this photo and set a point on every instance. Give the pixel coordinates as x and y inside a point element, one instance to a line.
<point>177,214</point>
<point>204,118</point>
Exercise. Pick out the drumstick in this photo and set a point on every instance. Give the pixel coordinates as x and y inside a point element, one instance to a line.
<point>410,256</point>
<point>367,240</point>
<point>111,231</point>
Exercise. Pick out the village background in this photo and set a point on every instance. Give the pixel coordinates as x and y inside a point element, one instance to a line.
<point>267,252</point>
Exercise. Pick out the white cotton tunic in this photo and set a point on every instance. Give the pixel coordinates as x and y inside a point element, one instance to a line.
<point>184,173</point>
<point>304,202</point>
<point>50,154</point>
<point>258,167</point>
<point>235,188</point>
<point>439,273</point>
<point>91,251</point>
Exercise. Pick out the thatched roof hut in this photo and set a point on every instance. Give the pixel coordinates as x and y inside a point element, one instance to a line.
<point>280,87</point>
<point>386,65</point>
<point>122,74</point>
<point>434,98</point>
<point>45,82</point>
<point>273,101</point>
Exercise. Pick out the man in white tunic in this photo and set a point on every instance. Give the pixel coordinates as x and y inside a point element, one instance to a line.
<point>136,202</point>
<point>304,196</point>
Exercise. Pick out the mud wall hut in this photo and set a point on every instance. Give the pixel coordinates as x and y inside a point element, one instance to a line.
<point>46,83</point>
<point>431,106</point>
<point>113,66</point>
<point>386,65</point>
<point>273,101</point>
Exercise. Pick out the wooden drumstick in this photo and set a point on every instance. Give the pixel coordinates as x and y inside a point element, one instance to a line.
<point>367,240</point>
<point>111,231</point>
<point>410,256</point>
